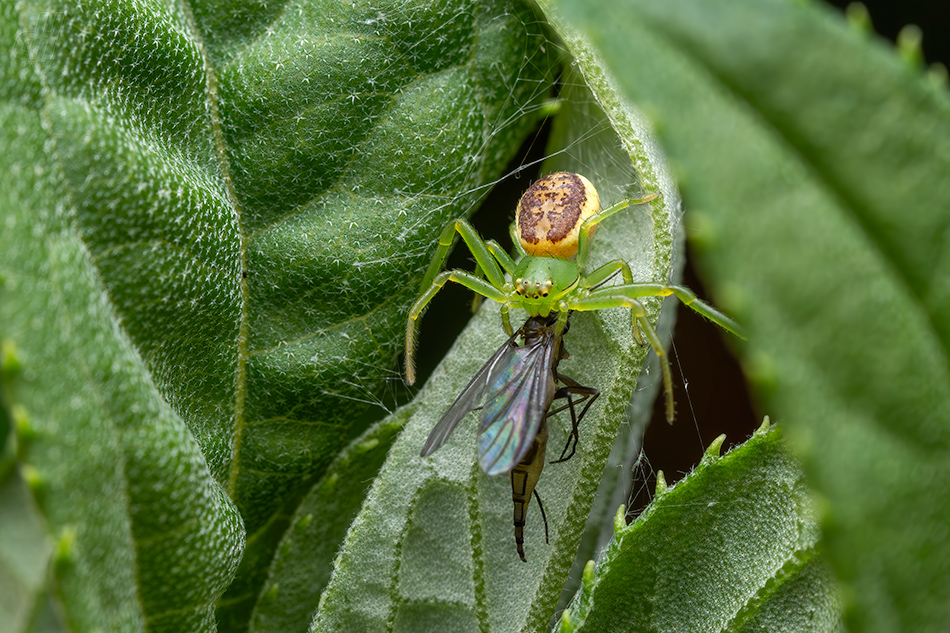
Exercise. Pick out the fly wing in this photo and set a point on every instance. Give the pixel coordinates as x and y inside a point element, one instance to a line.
<point>471,396</point>
<point>515,406</point>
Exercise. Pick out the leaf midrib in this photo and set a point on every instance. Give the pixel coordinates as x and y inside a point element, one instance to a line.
<point>217,132</point>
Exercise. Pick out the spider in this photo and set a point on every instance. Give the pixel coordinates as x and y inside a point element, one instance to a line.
<point>553,226</point>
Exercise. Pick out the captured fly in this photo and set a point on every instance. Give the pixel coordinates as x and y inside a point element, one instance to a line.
<point>514,391</point>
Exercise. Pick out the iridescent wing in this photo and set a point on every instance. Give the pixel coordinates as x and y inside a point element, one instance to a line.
<point>471,397</point>
<point>515,405</point>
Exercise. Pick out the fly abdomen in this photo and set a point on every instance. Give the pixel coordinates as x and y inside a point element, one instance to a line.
<point>524,477</point>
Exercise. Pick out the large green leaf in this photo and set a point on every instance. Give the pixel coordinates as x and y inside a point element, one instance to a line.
<point>818,160</point>
<point>732,547</point>
<point>125,527</point>
<point>214,217</point>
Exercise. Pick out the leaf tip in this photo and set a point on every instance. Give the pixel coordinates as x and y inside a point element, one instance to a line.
<point>302,524</point>
<point>760,369</point>
<point>734,299</point>
<point>366,446</point>
<point>858,18</point>
<point>33,478</point>
<point>567,625</point>
<point>715,448</point>
<point>550,107</point>
<point>909,41</point>
<point>65,549</point>
<point>588,576</point>
<point>271,593</point>
<point>620,519</point>
<point>21,421</point>
<point>703,233</point>
<point>937,74</point>
<point>9,361</point>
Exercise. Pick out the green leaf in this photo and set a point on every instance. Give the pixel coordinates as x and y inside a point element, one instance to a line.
<point>816,161</point>
<point>732,547</point>
<point>214,218</point>
<point>131,529</point>
<point>301,569</point>
<point>433,547</point>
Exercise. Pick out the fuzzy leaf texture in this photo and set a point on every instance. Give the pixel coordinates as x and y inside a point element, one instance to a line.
<point>304,561</point>
<point>732,547</point>
<point>816,159</point>
<point>214,217</point>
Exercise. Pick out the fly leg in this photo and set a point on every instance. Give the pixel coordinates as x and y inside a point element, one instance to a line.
<point>588,395</point>
<point>544,517</point>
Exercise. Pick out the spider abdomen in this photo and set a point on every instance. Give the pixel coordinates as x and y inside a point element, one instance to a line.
<point>551,213</point>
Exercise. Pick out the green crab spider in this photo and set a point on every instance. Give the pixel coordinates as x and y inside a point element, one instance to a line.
<point>554,222</point>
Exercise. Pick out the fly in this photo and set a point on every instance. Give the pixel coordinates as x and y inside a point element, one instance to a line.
<point>514,391</point>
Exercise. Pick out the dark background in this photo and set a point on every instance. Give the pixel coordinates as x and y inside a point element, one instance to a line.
<point>715,399</point>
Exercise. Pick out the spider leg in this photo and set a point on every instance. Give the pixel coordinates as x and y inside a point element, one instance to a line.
<point>507,264</point>
<point>602,275</point>
<point>664,366</point>
<point>462,277</point>
<point>583,239</point>
<point>479,249</point>
<point>626,296</point>
<point>499,253</point>
<point>489,261</point>
<point>505,319</point>
<point>516,242</point>
<point>687,296</point>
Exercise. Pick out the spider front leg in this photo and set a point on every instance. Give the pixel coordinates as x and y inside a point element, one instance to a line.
<point>508,265</point>
<point>687,296</point>
<point>485,263</point>
<point>602,275</point>
<point>607,298</point>
<point>628,295</point>
<point>583,238</point>
<point>487,256</point>
<point>467,279</point>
